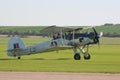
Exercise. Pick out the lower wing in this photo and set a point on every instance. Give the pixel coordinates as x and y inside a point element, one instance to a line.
<point>57,48</point>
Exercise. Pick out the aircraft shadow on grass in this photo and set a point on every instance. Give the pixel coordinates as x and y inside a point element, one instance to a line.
<point>52,59</point>
<point>38,59</point>
<point>7,59</point>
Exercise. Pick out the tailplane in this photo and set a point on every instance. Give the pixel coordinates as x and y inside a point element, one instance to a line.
<point>15,46</point>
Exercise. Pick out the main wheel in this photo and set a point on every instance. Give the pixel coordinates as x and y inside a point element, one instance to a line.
<point>87,56</point>
<point>77,56</point>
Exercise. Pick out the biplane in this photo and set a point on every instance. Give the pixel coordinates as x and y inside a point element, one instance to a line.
<point>62,38</point>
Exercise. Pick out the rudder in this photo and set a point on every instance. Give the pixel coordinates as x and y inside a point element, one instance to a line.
<point>13,44</point>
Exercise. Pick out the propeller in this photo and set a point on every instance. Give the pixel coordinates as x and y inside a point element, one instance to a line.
<point>96,38</point>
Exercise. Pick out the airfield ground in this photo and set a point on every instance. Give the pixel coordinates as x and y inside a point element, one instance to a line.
<point>56,76</point>
<point>104,63</point>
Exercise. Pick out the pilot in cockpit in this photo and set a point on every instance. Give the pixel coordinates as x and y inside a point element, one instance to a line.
<point>56,36</point>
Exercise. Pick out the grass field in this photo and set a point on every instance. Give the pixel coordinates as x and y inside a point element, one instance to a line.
<point>105,59</point>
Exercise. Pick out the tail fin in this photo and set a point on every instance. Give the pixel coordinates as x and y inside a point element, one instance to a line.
<point>15,44</point>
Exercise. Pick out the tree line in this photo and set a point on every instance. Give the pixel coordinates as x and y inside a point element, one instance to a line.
<point>109,30</point>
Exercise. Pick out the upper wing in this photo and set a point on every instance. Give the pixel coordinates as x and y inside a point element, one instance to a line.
<point>54,29</point>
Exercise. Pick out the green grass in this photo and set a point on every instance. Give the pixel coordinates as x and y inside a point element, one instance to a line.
<point>110,41</point>
<point>105,59</point>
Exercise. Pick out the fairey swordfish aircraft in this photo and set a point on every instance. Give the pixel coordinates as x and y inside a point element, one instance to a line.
<point>62,38</point>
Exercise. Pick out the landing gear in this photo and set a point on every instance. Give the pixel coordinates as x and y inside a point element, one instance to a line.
<point>77,56</point>
<point>87,56</point>
<point>85,53</point>
<point>19,57</point>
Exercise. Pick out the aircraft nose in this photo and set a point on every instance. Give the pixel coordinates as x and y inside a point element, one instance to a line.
<point>101,34</point>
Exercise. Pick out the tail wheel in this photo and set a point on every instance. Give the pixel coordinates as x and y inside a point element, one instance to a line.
<point>19,57</point>
<point>77,56</point>
<point>87,56</point>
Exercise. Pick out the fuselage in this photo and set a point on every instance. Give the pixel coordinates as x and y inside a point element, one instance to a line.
<point>78,40</point>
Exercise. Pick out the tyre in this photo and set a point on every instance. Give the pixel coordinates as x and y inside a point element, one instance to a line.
<point>77,56</point>
<point>87,56</point>
<point>19,57</point>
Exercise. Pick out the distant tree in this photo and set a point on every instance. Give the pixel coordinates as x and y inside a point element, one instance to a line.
<point>22,34</point>
<point>33,33</point>
<point>108,24</point>
<point>117,24</point>
<point>10,33</point>
<point>16,32</point>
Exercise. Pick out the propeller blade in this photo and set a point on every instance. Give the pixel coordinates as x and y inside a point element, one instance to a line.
<point>96,36</point>
<point>95,31</point>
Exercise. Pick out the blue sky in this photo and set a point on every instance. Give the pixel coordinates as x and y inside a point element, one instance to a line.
<point>59,12</point>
